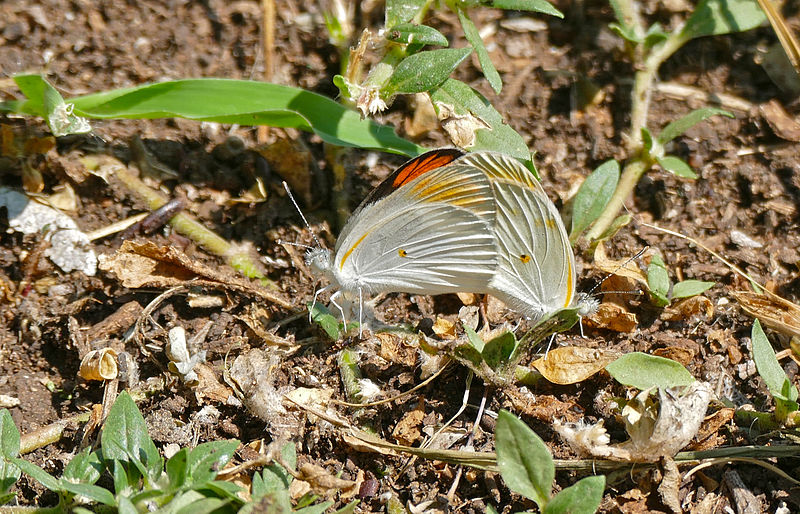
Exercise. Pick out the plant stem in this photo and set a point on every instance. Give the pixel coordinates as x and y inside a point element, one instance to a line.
<point>631,174</point>
<point>640,107</point>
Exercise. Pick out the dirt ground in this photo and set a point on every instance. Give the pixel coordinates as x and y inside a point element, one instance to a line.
<point>749,182</point>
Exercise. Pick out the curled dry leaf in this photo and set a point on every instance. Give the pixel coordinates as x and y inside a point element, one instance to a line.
<point>460,127</point>
<point>209,388</point>
<point>689,307</point>
<point>99,365</point>
<point>657,428</point>
<point>322,482</point>
<point>181,362</point>
<point>611,316</point>
<point>573,364</point>
<point>444,328</point>
<point>774,311</point>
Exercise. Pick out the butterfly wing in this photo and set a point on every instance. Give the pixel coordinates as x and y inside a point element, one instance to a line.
<point>536,267</point>
<point>432,234</point>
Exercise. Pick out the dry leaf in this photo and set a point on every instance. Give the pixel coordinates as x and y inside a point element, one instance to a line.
<point>573,364</point>
<point>398,349</point>
<point>444,328</point>
<point>676,353</point>
<point>775,312</point>
<point>209,388</point>
<point>708,435</point>
<point>611,316</point>
<point>543,407</point>
<point>408,429</point>
<point>146,264</point>
<point>686,308</point>
<point>626,268</point>
<point>99,365</point>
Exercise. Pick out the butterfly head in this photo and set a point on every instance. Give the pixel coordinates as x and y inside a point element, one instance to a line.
<point>586,304</point>
<point>319,260</point>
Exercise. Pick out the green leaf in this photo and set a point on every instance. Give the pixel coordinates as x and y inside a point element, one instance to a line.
<point>524,461</point>
<point>125,506</point>
<point>676,166</point>
<point>474,38</point>
<point>47,102</point>
<point>315,509</point>
<point>350,508</point>
<point>626,33</point>
<point>124,438</point>
<point>246,103</point>
<point>770,370</point>
<point>655,35</point>
<point>647,140</point>
<point>9,449</point>
<point>85,467</point>
<point>684,123</point>
<point>467,109</point>
<point>402,11</point>
<point>528,5</point>
<point>409,33</point>
<point>326,321</point>
<point>689,288</point>
<point>177,470</point>
<point>91,491</point>
<point>204,462</point>
<point>593,196</point>
<point>474,339</point>
<point>658,281</point>
<point>584,497</point>
<point>9,436</point>
<point>123,480</point>
<point>715,17</point>
<point>38,474</point>
<point>498,350</point>
<point>644,371</point>
<point>424,71</point>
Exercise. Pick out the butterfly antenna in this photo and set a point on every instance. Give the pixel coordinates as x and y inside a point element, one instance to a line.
<point>291,197</point>
<point>614,272</point>
<point>300,245</point>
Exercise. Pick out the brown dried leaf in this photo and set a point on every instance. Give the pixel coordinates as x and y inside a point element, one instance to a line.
<point>322,482</point>
<point>611,316</point>
<point>573,364</point>
<point>688,307</point>
<point>775,312</point>
<point>99,365</point>
<point>543,407</point>
<point>626,268</point>
<point>208,387</point>
<point>398,349</point>
<point>444,328</point>
<point>409,429</point>
<point>676,353</point>
<point>145,264</point>
<point>292,160</point>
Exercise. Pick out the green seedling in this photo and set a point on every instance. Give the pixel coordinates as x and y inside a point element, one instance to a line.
<point>779,385</point>
<point>329,324</point>
<point>527,468</point>
<point>663,292</point>
<point>592,197</point>
<point>142,481</point>
<point>648,48</point>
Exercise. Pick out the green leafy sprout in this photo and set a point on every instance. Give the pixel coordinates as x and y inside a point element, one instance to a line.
<point>142,481</point>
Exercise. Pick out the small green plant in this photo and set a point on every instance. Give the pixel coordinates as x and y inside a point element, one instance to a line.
<point>644,372</point>
<point>142,481</point>
<point>527,468</point>
<point>648,48</point>
<point>663,292</point>
<point>780,386</point>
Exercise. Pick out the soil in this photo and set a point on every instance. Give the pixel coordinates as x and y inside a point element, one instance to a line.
<point>749,181</point>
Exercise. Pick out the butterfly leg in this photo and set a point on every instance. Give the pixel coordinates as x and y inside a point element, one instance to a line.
<point>314,301</point>
<point>360,311</point>
<point>335,296</point>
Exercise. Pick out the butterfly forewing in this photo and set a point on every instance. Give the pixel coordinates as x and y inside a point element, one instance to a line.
<point>432,235</point>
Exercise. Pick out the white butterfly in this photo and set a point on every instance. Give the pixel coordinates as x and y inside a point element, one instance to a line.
<point>449,222</point>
